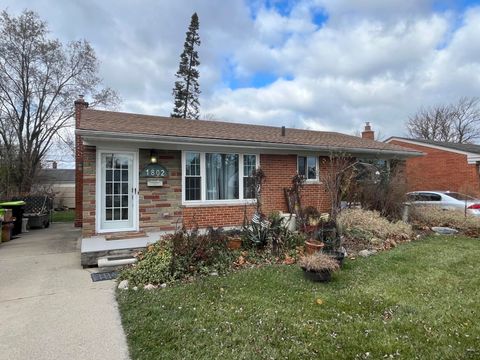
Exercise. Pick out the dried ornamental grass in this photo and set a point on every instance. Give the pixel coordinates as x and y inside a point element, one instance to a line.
<point>434,216</point>
<point>368,224</point>
<point>318,262</point>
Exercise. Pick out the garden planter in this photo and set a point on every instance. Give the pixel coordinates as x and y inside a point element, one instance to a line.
<point>338,255</point>
<point>234,243</point>
<point>318,276</point>
<point>313,246</point>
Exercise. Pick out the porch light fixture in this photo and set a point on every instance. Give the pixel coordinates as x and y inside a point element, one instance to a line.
<point>153,157</point>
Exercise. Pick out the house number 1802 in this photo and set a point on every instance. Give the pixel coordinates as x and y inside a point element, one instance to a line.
<point>155,172</point>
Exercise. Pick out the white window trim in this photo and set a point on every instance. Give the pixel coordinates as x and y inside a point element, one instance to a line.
<point>203,172</point>
<point>317,166</point>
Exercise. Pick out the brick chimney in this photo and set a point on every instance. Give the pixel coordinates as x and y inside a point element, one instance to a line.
<point>80,104</point>
<point>368,133</point>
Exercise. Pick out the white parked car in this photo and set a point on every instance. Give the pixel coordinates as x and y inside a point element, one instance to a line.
<point>447,200</point>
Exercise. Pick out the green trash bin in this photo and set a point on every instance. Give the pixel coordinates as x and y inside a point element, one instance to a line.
<point>17,213</point>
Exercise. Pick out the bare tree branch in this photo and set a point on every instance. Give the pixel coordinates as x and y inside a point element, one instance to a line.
<point>40,78</point>
<point>458,122</point>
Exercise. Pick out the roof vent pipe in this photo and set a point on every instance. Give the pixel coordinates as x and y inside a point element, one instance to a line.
<point>283,130</point>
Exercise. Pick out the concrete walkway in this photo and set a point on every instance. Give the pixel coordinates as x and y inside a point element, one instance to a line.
<point>49,306</point>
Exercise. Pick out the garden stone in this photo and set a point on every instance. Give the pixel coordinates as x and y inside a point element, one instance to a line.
<point>149,287</point>
<point>123,285</point>
<point>135,288</point>
<point>163,286</point>
<point>444,230</point>
<point>366,253</point>
<point>214,273</point>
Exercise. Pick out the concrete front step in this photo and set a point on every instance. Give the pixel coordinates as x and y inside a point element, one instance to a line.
<point>95,247</point>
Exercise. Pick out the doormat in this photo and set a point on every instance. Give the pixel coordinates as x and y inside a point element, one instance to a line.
<point>101,276</point>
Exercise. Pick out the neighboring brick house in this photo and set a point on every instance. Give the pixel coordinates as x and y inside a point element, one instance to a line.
<point>444,167</point>
<point>138,175</point>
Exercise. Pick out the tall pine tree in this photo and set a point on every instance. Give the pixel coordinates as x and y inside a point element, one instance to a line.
<point>187,89</point>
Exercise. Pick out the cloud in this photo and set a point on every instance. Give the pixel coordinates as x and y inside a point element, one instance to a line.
<point>369,60</point>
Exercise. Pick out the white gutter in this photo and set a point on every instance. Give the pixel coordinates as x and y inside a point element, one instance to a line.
<point>180,140</point>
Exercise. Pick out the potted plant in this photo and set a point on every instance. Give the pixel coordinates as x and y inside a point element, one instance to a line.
<point>234,242</point>
<point>312,246</point>
<point>318,266</point>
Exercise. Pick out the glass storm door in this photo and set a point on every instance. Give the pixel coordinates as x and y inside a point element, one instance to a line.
<point>117,192</point>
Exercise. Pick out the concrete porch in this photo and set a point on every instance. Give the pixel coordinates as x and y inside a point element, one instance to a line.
<point>98,246</point>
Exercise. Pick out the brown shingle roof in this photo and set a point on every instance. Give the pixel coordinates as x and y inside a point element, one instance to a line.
<point>126,123</point>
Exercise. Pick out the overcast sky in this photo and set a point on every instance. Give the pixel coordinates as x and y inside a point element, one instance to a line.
<point>318,64</point>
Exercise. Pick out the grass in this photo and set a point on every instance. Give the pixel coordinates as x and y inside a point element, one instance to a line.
<point>63,216</point>
<point>418,301</point>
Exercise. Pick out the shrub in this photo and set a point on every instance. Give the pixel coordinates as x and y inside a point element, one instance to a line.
<point>195,253</point>
<point>379,188</point>
<point>153,266</point>
<point>181,255</point>
<point>433,216</point>
<point>271,232</point>
<point>318,262</point>
<point>365,224</point>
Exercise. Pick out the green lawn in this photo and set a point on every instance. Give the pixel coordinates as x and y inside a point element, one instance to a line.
<point>420,300</point>
<point>63,216</point>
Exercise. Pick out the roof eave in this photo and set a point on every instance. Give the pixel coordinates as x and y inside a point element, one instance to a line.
<point>108,135</point>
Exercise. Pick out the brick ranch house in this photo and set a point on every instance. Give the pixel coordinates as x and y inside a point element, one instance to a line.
<point>444,167</point>
<point>138,176</point>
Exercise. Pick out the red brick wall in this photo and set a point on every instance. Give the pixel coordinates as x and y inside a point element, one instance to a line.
<point>440,170</point>
<point>216,216</point>
<point>279,170</point>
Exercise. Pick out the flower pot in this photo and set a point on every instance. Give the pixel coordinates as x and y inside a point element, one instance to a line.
<point>313,246</point>
<point>318,276</point>
<point>234,243</point>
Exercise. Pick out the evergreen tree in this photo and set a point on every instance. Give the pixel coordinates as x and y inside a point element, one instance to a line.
<point>187,89</point>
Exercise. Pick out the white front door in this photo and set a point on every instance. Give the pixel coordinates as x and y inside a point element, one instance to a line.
<point>118,191</point>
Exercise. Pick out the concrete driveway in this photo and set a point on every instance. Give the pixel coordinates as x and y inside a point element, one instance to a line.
<point>49,306</point>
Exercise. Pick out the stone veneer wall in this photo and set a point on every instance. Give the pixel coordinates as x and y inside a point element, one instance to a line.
<point>89,190</point>
<point>160,207</point>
